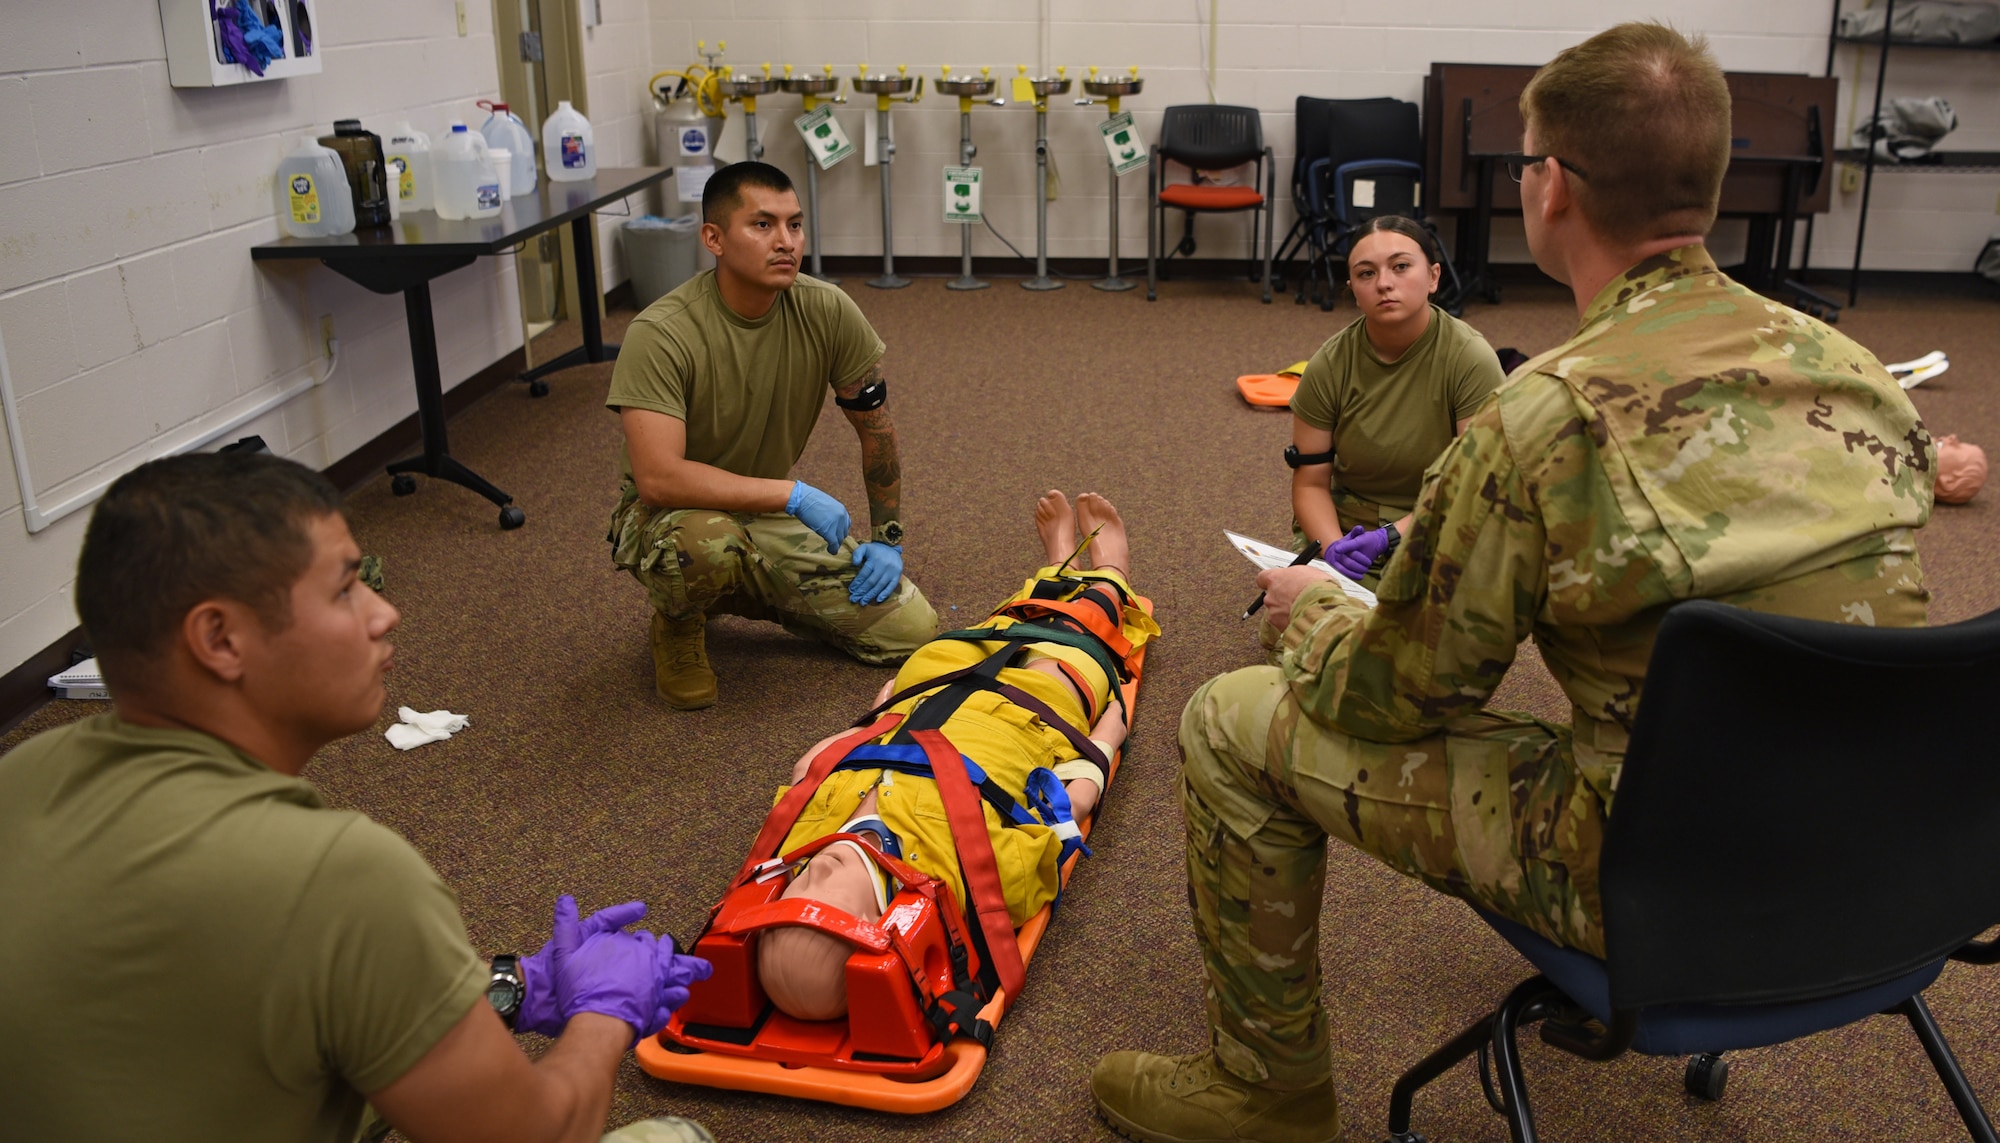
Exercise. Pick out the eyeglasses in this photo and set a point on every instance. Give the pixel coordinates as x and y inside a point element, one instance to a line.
<point>1518,163</point>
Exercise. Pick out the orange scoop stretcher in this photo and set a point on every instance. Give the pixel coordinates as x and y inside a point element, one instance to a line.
<point>927,984</point>
<point>1271,390</point>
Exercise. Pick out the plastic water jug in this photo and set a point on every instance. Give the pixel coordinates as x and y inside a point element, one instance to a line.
<point>467,184</point>
<point>504,131</point>
<point>410,165</point>
<point>313,199</point>
<point>567,143</point>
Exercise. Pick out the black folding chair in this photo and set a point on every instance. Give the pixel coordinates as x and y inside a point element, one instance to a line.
<point>1372,165</point>
<point>1806,828</point>
<point>1208,137</point>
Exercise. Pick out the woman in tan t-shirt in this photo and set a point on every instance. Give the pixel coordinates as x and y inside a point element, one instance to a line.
<point>1381,399</point>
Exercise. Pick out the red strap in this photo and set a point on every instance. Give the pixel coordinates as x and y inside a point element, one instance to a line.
<point>1093,619</point>
<point>805,912</point>
<point>964,810</point>
<point>786,813</point>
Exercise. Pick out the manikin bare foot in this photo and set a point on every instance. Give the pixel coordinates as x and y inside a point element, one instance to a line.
<point>1056,524</point>
<point>1111,551</point>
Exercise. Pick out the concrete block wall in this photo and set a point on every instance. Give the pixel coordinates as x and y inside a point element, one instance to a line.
<point>1267,52</point>
<point>129,307</point>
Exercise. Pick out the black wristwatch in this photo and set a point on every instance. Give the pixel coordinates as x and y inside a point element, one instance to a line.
<point>1395,541</point>
<point>506,990</point>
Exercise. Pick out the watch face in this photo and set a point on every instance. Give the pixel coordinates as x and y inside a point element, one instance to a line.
<point>892,532</point>
<point>504,996</point>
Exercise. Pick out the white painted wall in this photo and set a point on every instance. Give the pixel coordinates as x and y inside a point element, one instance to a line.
<point>130,309</point>
<point>1269,52</point>
<point>129,305</point>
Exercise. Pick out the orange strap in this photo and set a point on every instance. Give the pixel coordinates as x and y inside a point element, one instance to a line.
<point>964,810</point>
<point>786,813</point>
<point>1093,619</point>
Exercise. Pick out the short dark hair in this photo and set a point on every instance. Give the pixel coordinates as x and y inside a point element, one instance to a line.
<point>1407,227</point>
<point>176,531</point>
<point>724,192</point>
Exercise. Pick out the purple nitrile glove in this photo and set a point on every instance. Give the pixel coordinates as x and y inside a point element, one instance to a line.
<point>610,974</point>
<point>1358,550</point>
<point>676,971</point>
<point>539,1009</point>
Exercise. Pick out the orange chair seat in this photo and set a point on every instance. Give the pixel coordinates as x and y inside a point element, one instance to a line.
<point>1210,198</point>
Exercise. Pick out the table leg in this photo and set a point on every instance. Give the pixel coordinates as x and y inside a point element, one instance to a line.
<point>593,349</point>
<point>1480,280</point>
<point>436,460</point>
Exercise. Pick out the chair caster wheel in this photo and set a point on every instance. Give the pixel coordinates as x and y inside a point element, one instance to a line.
<point>512,518</point>
<point>402,484</point>
<point>538,388</point>
<point>1707,1076</point>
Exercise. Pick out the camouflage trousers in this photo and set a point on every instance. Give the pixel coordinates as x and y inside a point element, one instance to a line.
<point>1492,810</point>
<point>697,561</point>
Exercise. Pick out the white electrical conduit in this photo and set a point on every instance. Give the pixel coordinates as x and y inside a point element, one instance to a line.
<point>187,440</point>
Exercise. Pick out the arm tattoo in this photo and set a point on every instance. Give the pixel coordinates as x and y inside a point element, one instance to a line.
<point>881,468</point>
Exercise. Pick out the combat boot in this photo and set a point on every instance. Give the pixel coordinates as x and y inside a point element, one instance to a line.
<point>1192,1099</point>
<point>680,662</point>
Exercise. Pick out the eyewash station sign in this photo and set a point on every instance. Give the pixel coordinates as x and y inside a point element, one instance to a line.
<point>961,194</point>
<point>825,139</point>
<point>1123,143</point>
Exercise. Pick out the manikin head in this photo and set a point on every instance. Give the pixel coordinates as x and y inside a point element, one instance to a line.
<point>1634,127</point>
<point>1961,470</point>
<point>221,591</point>
<point>751,222</point>
<point>804,971</point>
<point>1392,269</point>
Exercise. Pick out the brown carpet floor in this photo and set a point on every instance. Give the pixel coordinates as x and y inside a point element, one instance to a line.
<point>573,777</point>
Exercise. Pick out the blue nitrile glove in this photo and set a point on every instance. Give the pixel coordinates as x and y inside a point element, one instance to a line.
<point>881,570</point>
<point>1357,551</point>
<point>613,974</point>
<point>539,1010</point>
<point>820,512</point>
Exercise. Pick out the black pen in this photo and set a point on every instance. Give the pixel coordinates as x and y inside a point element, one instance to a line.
<point>1309,555</point>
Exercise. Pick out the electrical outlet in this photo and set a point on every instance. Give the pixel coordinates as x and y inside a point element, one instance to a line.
<point>1850,178</point>
<point>326,335</point>
<point>460,7</point>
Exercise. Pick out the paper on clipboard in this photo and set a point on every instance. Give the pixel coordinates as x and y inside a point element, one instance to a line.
<point>1266,557</point>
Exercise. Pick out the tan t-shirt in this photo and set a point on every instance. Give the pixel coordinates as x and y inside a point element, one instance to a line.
<point>749,391</point>
<point>199,949</point>
<point>1391,419</point>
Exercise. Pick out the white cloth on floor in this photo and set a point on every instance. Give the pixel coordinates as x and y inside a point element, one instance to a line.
<point>419,727</point>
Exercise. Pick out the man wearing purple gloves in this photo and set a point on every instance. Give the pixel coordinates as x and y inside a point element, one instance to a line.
<point>201,948</point>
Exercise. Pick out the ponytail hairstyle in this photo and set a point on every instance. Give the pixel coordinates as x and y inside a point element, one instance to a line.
<point>1409,228</point>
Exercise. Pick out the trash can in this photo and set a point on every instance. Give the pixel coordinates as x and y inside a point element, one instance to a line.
<point>661,254</point>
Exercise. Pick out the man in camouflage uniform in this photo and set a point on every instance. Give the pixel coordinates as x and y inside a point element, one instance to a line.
<point>717,389</point>
<point>1691,440</point>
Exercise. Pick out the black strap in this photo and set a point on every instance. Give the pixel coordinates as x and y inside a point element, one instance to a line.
<point>871,396</point>
<point>1296,459</point>
<point>953,689</point>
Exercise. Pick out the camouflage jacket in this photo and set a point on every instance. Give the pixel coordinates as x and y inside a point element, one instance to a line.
<point>1692,439</point>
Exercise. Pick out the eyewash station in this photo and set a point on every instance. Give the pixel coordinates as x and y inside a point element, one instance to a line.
<point>888,90</point>
<point>826,144</point>
<point>961,205</point>
<point>1038,89</point>
<point>1125,150</point>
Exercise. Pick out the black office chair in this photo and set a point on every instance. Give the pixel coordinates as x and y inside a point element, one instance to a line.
<point>1312,129</point>
<point>1372,165</point>
<point>1208,137</point>
<point>1806,829</point>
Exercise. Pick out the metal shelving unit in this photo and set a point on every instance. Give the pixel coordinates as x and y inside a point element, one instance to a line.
<point>1961,162</point>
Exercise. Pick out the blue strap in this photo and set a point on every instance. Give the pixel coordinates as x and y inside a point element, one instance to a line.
<point>1047,798</point>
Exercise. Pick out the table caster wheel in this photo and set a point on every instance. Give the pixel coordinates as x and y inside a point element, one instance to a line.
<point>538,388</point>
<point>1707,1076</point>
<point>402,484</point>
<point>512,518</point>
